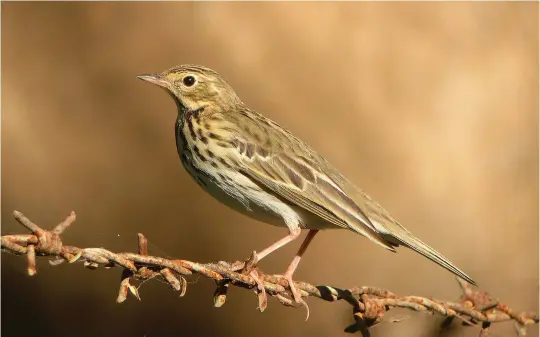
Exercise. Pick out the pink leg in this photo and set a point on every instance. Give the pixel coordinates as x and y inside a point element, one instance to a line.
<point>301,251</point>
<point>280,243</point>
<point>294,264</point>
<point>293,234</point>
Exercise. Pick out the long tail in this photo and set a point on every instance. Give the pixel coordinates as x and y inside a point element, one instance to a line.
<point>401,236</point>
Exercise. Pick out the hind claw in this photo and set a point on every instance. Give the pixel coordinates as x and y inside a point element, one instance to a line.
<point>295,292</point>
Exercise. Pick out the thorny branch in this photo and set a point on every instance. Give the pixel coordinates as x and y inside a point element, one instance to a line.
<point>369,304</point>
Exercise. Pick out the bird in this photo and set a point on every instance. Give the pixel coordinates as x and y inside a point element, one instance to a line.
<point>255,166</point>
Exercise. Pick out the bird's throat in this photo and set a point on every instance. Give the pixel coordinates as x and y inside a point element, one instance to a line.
<point>190,113</point>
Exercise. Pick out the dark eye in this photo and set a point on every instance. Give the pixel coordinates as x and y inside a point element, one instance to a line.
<point>189,81</point>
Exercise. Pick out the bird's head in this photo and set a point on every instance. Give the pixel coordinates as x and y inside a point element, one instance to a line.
<point>195,87</point>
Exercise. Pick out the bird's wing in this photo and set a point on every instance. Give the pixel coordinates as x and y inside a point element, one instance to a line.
<point>277,160</point>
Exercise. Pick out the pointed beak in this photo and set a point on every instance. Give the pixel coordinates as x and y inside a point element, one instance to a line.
<point>155,79</point>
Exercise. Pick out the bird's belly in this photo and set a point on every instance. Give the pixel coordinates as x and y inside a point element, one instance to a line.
<point>254,202</point>
<point>248,206</point>
<point>239,193</point>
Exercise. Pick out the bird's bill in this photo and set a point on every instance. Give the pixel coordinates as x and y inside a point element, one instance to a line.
<point>155,79</point>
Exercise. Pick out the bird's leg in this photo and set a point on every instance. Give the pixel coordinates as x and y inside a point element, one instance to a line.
<point>293,234</point>
<point>256,257</point>
<point>294,264</point>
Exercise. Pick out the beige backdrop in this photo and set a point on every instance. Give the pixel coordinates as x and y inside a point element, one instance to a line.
<point>430,107</point>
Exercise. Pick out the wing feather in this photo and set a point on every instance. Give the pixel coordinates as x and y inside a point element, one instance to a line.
<point>300,181</point>
<point>294,196</point>
<point>291,169</point>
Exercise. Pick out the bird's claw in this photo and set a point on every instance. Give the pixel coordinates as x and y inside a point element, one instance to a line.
<point>248,267</point>
<point>245,267</point>
<point>261,292</point>
<point>297,295</point>
<point>295,292</point>
<point>251,263</point>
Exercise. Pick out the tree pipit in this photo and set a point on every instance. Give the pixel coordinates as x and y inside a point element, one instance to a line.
<point>257,167</point>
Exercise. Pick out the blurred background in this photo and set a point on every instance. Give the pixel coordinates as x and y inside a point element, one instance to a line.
<point>432,108</point>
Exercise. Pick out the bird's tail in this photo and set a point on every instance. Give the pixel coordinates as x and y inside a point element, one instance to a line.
<point>401,236</point>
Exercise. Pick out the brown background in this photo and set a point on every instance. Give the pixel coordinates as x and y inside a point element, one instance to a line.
<point>431,107</point>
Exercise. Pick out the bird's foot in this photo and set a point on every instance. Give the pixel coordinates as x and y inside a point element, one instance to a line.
<point>245,267</point>
<point>248,267</point>
<point>295,292</point>
<point>261,292</point>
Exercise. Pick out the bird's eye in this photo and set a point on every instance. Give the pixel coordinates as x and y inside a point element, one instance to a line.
<point>188,81</point>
